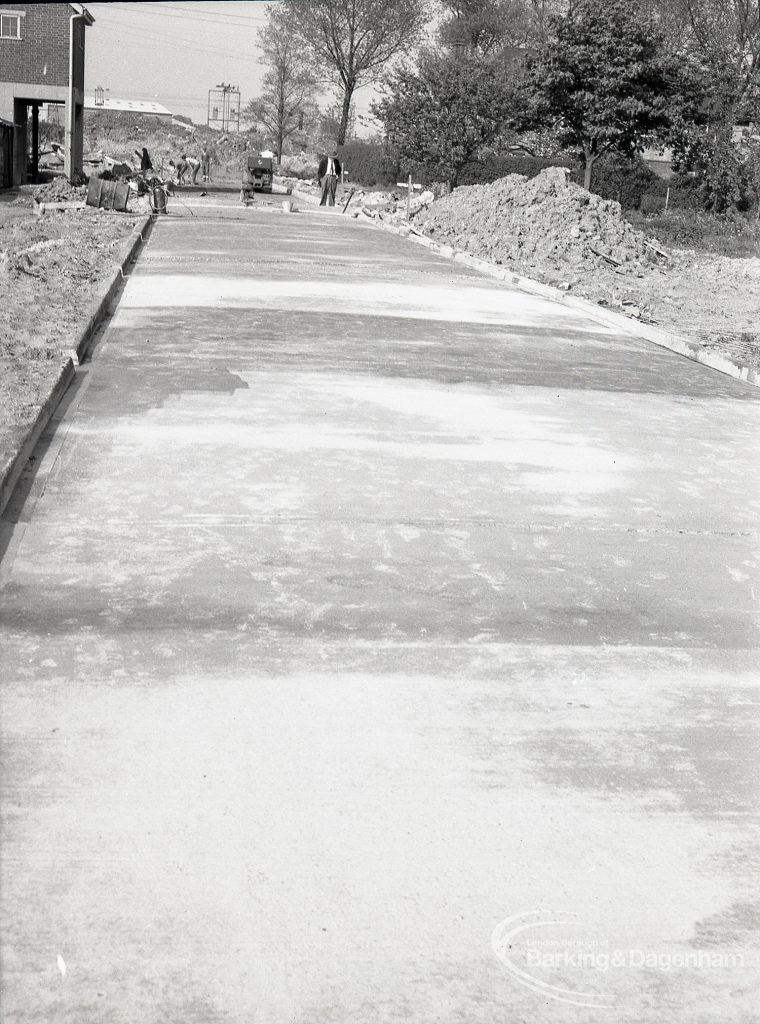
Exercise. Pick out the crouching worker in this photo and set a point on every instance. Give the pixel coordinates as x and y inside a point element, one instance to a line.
<point>179,170</point>
<point>186,165</point>
<point>193,166</point>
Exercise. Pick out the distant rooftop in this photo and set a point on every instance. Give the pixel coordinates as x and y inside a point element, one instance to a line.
<point>127,106</point>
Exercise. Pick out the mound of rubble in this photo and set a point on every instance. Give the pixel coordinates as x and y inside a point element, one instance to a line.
<point>59,190</point>
<point>546,223</point>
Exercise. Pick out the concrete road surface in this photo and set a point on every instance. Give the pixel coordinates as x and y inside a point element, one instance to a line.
<point>379,644</point>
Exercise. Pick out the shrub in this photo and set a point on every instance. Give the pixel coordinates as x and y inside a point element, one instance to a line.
<point>624,180</point>
<point>651,203</point>
<point>481,172</point>
<point>615,177</point>
<point>729,234</point>
<point>299,166</point>
<point>369,163</point>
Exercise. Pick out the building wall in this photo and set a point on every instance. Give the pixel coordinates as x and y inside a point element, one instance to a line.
<point>41,56</point>
<point>36,67</point>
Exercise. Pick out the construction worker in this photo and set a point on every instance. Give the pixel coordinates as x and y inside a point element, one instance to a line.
<point>185,165</point>
<point>145,161</point>
<point>328,174</point>
<point>179,169</point>
<point>193,165</point>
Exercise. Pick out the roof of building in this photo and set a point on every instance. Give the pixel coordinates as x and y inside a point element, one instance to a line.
<point>82,11</point>
<point>127,106</point>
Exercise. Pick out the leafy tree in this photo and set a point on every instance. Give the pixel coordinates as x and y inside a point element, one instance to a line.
<point>353,41</point>
<point>604,80</point>
<point>285,104</point>
<point>726,34</point>
<point>443,112</point>
<point>723,37</point>
<point>329,124</point>
<point>487,27</point>
<point>484,26</point>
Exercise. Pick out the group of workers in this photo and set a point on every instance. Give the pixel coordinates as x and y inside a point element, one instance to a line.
<point>186,166</point>
<point>190,166</point>
<point>328,173</point>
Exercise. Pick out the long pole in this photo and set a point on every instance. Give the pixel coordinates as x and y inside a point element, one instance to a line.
<point>35,142</point>
<point>409,198</point>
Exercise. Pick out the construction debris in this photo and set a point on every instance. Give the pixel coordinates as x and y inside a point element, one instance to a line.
<point>546,222</point>
<point>59,191</point>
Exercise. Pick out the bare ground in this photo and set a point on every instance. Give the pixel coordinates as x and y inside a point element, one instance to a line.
<point>51,269</point>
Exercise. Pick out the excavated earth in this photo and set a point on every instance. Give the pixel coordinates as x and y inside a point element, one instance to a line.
<point>549,229</point>
<point>51,269</point>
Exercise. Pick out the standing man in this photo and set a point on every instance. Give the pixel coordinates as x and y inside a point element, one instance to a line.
<point>328,174</point>
<point>205,164</point>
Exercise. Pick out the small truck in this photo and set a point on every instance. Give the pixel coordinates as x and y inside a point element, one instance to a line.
<point>257,176</point>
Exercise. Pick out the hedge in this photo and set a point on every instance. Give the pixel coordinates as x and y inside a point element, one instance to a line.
<point>629,182</point>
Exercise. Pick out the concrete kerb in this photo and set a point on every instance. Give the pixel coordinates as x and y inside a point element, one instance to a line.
<point>12,470</point>
<point>101,306</point>
<point>608,317</point>
<point>306,197</point>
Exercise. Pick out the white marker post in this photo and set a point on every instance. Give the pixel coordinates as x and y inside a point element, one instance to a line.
<point>417,187</point>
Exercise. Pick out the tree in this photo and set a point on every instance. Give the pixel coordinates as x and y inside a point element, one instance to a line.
<point>484,26</point>
<point>354,41</point>
<point>329,124</point>
<point>286,101</point>
<point>444,111</point>
<point>723,37</point>
<point>604,80</point>
<point>726,34</point>
<point>487,27</point>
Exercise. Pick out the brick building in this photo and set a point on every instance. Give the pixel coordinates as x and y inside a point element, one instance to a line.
<point>42,50</point>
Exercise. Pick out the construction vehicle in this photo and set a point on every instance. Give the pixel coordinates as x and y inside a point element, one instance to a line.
<point>257,176</point>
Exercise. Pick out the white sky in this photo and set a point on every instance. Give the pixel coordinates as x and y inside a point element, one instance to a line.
<point>173,53</point>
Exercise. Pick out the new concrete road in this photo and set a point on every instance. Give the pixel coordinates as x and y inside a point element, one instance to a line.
<point>380,644</point>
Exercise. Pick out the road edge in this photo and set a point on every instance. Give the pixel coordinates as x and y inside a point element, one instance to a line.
<point>99,307</point>
<point>14,466</point>
<point>655,335</point>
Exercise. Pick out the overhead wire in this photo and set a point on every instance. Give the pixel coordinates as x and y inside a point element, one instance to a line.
<point>180,41</point>
<point>254,9</point>
<point>254,5</point>
<point>111,15</point>
<point>179,15</point>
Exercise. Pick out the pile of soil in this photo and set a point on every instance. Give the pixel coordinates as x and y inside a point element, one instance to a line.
<point>552,230</point>
<point>546,222</point>
<point>59,191</point>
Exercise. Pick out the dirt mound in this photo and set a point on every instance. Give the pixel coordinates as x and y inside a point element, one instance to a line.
<point>59,191</point>
<point>546,222</point>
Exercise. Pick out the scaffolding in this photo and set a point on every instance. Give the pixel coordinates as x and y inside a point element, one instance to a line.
<point>224,108</point>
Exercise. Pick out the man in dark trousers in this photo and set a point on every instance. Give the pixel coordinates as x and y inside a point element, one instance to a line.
<point>328,174</point>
